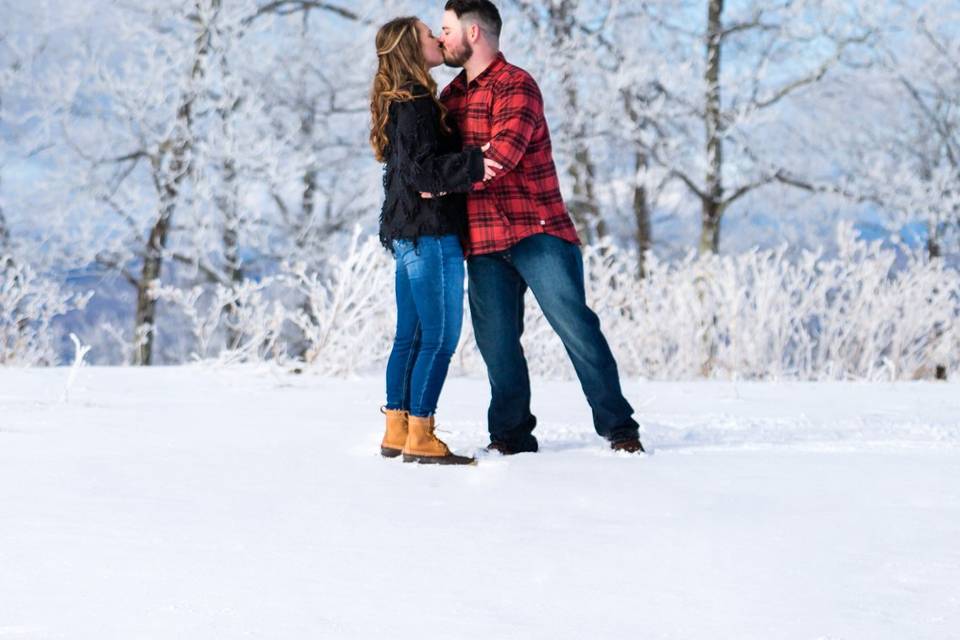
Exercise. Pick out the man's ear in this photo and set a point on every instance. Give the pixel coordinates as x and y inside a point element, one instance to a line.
<point>474,32</point>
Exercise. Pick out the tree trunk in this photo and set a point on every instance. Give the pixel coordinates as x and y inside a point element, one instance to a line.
<point>583,206</point>
<point>4,233</point>
<point>712,207</point>
<point>229,209</point>
<point>145,321</point>
<point>228,205</point>
<point>933,241</point>
<point>934,252</point>
<point>711,202</point>
<point>710,227</point>
<point>309,196</point>
<point>641,213</point>
<point>308,210</point>
<point>168,180</point>
<point>144,326</point>
<point>4,228</point>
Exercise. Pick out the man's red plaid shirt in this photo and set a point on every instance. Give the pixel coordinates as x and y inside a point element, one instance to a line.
<point>503,106</point>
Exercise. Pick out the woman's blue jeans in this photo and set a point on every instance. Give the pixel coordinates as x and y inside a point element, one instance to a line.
<point>429,286</point>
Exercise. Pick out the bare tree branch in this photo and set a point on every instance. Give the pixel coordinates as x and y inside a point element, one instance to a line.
<point>288,7</point>
<point>948,56</point>
<point>745,189</point>
<point>813,77</point>
<point>114,264</point>
<point>782,177</point>
<point>937,123</point>
<point>126,217</point>
<point>676,173</point>
<point>753,25</point>
<point>211,273</point>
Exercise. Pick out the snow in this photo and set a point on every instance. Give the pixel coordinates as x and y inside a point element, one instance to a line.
<point>191,502</point>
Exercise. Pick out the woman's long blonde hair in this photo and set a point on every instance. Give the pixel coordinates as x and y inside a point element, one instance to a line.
<point>400,63</point>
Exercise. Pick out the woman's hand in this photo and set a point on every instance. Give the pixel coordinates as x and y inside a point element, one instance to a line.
<point>490,167</point>
<point>427,196</point>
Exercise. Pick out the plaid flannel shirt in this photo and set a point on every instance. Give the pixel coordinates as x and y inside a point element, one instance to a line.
<point>503,106</point>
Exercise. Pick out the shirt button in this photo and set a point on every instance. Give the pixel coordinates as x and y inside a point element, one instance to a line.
<point>543,223</point>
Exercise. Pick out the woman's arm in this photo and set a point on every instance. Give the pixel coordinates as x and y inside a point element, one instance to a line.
<point>420,165</point>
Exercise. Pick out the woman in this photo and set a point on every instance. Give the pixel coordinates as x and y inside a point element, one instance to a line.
<point>423,156</point>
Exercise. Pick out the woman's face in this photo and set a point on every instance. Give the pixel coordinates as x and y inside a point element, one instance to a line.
<point>432,53</point>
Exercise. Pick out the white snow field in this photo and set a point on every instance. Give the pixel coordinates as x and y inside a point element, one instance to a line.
<point>188,502</point>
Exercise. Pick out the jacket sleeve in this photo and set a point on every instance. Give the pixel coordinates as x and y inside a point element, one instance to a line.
<point>419,164</point>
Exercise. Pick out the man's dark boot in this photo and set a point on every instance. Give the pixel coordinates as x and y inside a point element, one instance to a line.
<point>528,444</point>
<point>629,445</point>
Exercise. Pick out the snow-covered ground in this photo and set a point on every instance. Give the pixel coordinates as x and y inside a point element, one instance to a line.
<point>192,503</point>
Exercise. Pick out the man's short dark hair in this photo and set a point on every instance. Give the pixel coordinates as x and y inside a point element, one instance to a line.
<point>486,12</point>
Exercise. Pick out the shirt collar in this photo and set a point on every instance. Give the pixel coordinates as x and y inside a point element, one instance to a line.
<point>460,82</point>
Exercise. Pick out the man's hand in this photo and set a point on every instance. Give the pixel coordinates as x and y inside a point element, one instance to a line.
<point>427,196</point>
<point>490,167</point>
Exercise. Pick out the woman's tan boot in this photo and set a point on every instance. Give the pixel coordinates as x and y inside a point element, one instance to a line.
<point>396,434</point>
<point>426,448</point>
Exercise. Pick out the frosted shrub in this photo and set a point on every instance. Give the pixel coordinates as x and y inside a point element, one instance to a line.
<point>231,324</point>
<point>759,315</point>
<point>337,319</point>
<point>28,305</point>
<point>349,318</point>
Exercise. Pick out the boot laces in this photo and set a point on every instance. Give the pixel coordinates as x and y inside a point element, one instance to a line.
<point>433,432</point>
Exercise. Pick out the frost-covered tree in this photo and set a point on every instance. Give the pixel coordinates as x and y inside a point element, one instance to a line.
<point>212,159</point>
<point>134,128</point>
<point>8,69</point>
<point>724,126</point>
<point>169,132</point>
<point>909,154</point>
<point>318,86</point>
<point>554,36</point>
<point>19,51</point>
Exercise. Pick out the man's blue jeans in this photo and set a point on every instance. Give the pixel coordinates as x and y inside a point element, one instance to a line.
<point>553,270</point>
<point>429,286</point>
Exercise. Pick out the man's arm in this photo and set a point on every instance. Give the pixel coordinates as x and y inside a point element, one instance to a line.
<point>517,111</point>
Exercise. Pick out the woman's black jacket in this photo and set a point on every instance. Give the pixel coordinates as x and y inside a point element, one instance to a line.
<point>421,157</point>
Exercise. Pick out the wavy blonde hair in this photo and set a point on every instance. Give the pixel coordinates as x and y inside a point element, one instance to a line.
<point>400,63</point>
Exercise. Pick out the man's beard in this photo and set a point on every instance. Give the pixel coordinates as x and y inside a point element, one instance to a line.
<point>465,52</point>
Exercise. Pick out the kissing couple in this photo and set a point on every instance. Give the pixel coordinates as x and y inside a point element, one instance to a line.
<point>469,176</point>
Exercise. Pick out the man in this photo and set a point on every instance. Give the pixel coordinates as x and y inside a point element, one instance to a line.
<point>521,237</point>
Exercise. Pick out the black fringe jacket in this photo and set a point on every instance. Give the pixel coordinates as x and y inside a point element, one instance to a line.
<point>421,157</point>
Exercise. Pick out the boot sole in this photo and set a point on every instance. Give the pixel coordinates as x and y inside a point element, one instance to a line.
<point>386,452</point>
<point>632,448</point>
<point>460,460</point>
